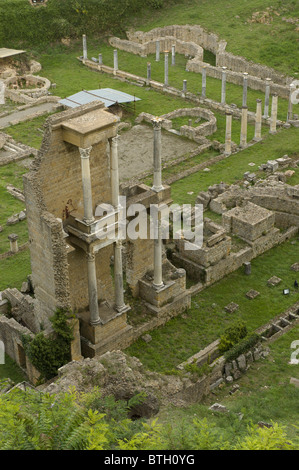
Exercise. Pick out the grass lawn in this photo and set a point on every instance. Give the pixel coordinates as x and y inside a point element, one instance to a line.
<point>11,174</point>
<point>14,270</point>
<point>265,394</point>
<point>11,369</point>
<point>185,335</point>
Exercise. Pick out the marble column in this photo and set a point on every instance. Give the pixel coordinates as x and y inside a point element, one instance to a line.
<point>203,82</point>
<point>166,68</point>
<point>267,97</point>
<point>114,172</point>
<point>245,84</point>
<point>115,60</point>
<point>184,86</point>
<point>273,114</point>
<point>149,73</point>
<point>84,46</point>
<point>228,134</point>
<point>118,277</point>
<point>2,92</point>
<point>223,85</point>
<point>290,105</point>
<point>243,136</point>
<point>173,55</point>
<point>258,121</point>
<point>92,290</point>
<point>158,276</point>
<point>100,59</point>
<point>157,51</point>
<point>157,124</point>
<point>86,183</point>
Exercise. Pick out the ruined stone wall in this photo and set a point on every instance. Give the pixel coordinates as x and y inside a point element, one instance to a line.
<point>139,260</point>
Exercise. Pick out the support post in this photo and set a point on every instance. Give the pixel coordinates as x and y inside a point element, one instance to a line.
<point>267,97</point>
<point>13,239</point>
<point>223,85</point>
<point>149,73</point>
<point>184,86</point>
<point>157,51</point>
<point>118,277</point>
<point>86,184</point>
<point>114,171</point>
<point>166,68</point>
<point>273,114</point>
<point>245,84</point>
<point>157,124</point>
<point>258,121</point>
<point>173,55</point>
<point>290,105</point>
<point>203,82</point>
<point>92,290</point>
<point>228,134</point>
<point>243,136</point>
<point>84,47</point>
<point>158,276</point>
<point>100,59</point>
<point>115,60</point>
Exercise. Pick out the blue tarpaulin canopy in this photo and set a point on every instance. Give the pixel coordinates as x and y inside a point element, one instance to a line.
<point>107,95</point>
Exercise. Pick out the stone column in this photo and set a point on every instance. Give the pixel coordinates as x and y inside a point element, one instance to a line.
<point>184,86</point>
<point>2,92</point>
<point>258,121</point>
<point>223,85</point>
<point>245,77</point>
<point>157,51</point>
<point>114,171</point>
<point>100,59</point>
<point>13,239</point>
<point>158,277</point>
<point>118,277</point>
<point>290,105</point>
<point>273,114</point>
<point>228,134</point>
<point>157,124</point>
<point>173,55</point>
<point>243,136</point>
<point>267,97</point>
<point>115,60</point>
<point>149,73</point>
<point>166,69</point>
<point>92,290</point>
<point>203,82</point>
<point>84,47</point>
<point>86,183</point>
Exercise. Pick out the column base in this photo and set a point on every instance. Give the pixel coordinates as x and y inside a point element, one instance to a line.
<point>157,189</point>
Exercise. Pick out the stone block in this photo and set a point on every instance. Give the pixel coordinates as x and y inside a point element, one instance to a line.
<point>252,294</point>
<point>273,281</point>
<point>231,308</point>
<point>241,361</point>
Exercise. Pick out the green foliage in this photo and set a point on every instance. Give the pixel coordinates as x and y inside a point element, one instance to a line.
<point>242,347</point>
<point>47,354</point>
<point>263,438</point>
<point>231,336</point>
<point>68,18</point>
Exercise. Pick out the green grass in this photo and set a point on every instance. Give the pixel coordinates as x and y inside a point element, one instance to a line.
<point>11,370</point>
<point>14,270</point>
<point>11,174</point>
<point>265,394</point>
<point>183,336</point>
<point>231,169</point>
<point>274,45</point>
<point>28,132</point>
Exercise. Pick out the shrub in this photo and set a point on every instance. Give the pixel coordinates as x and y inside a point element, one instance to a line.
<point>47,354</point>
<point>231,336</point>
<point>242,347</point>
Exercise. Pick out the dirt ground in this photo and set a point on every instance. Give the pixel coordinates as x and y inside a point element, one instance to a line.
<point>135,150</point>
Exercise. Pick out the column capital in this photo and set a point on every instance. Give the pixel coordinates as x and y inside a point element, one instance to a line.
<point>157,123</point>
<point>258,100</point>
<point>114,140</point>
<point>85,153</point>
<point>90,257</point>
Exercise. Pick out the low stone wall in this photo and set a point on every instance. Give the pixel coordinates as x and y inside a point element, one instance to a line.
<point>210,42</point>
<point>26,95</point>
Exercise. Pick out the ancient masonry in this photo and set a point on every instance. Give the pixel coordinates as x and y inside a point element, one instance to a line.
<point>74,177</point>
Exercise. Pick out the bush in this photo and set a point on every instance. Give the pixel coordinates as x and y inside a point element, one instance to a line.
<point>242,347</point>
<point>47,354</point>
<point>232,336</point>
